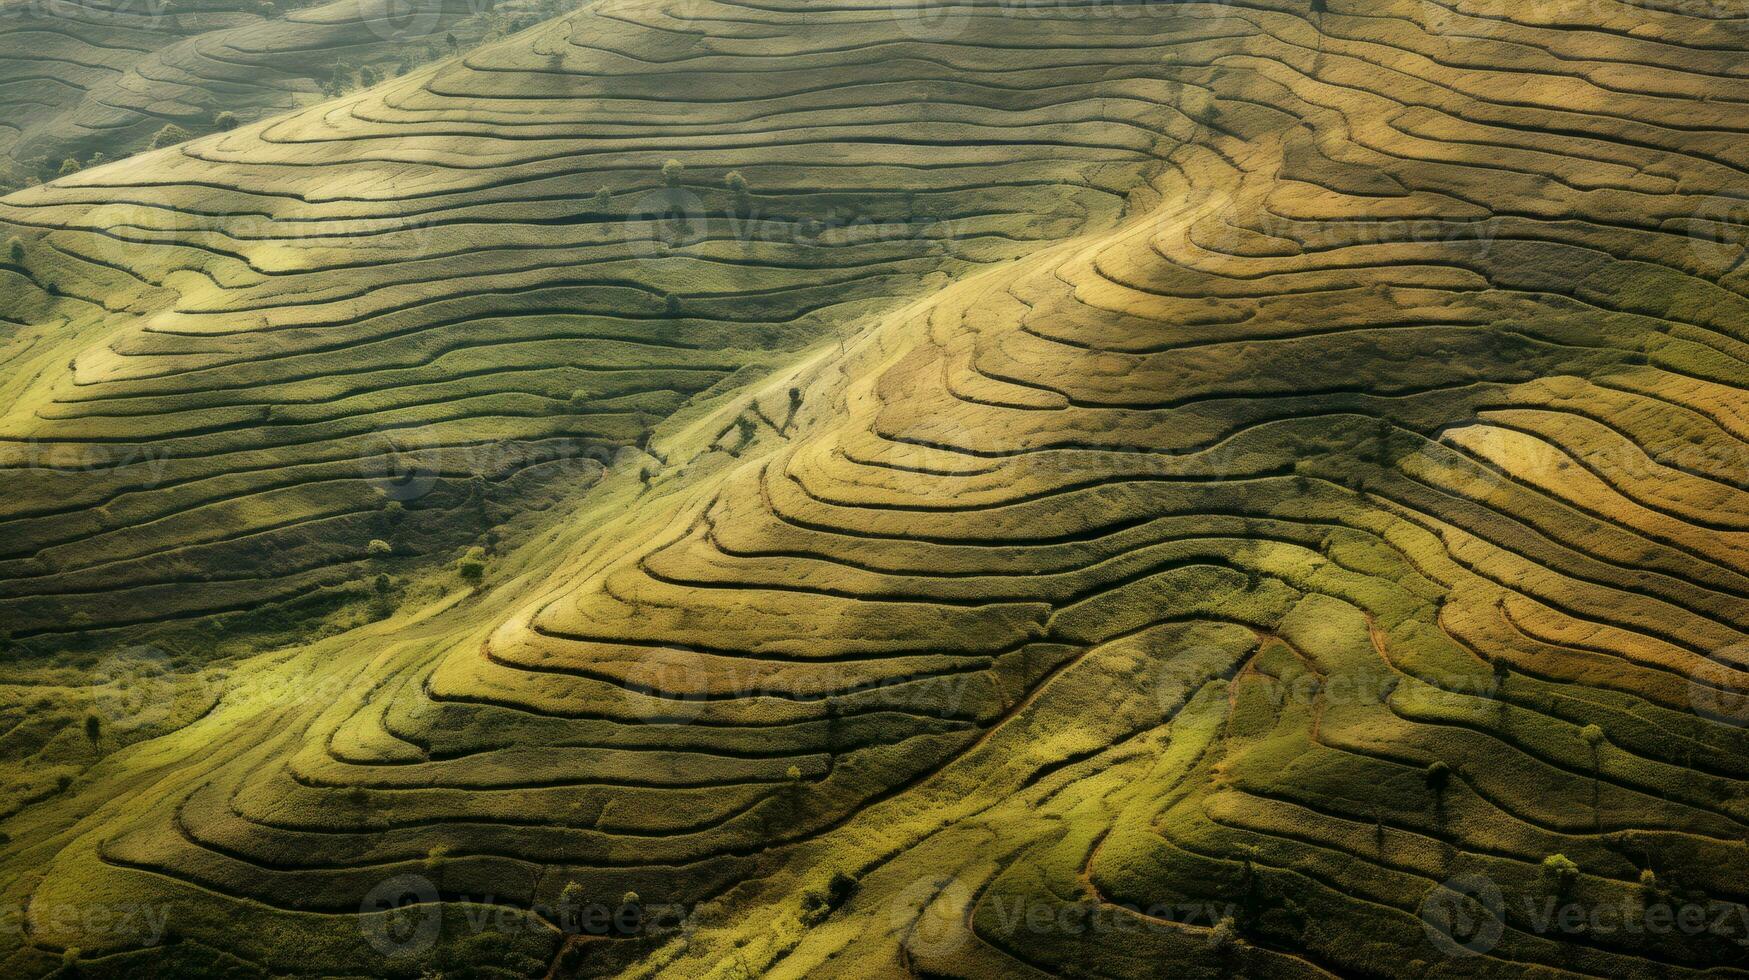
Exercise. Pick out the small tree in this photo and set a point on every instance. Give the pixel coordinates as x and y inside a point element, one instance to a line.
<point>93,728</point>
<point>1438,775</point>
<point>737,185</point>
<point>1224,936</point>
<point>672,171</point>
<point>454,45</point>
<point>341,80</point>
<point>170,135</point>
<point>378,548</point>
<point>571,903</point>
<point>472,566</point>
<point>571,896</point>
<point>224,122</point>
<point>671,304</point>
<point>367,76</point>
<point>603,199</point>
<point>1560,871</point>
<point>69,167</point>
<point>15,250</point>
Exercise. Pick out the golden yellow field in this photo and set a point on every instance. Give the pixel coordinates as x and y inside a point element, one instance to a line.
<point>1083,488</point>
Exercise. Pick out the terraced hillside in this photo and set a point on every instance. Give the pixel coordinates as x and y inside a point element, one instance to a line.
<point>88,81</point>
<point>464,277</point>
<point>1292,528</point>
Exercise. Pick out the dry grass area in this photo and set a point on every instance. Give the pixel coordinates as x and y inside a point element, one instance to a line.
<point>1290,524</point>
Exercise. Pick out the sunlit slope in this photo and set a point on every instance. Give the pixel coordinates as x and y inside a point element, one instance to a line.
<point>1365,514</point>
<point>483,267</point>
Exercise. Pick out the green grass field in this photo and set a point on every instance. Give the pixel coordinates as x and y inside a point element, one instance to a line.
<point>683,488</point>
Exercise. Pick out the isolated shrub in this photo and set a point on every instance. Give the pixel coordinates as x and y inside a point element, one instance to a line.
<point>69,166</point>
<point>472,566</point>
<point>1561,872</point>
<point>1592,734</point>
<point>737,185</point>
<point>603,198</point>
<point>225,121</point>
<point>672,172</point>
<point>378,547</point>
<point>1438,775</point>
<point>93,727</point>
<point>671,303</point>
<point>15,249</point>
<point>367,76</point>
<point>170,135</point>
<point>1224,936</point>
<point>1649,880</point>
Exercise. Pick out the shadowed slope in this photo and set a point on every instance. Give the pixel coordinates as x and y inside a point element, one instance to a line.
<point>1364,515</point>
<point>481,277</point>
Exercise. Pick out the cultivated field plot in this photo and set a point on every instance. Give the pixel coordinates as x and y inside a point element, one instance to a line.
<point>984,489</point>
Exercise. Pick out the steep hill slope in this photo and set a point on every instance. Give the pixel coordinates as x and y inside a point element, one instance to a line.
<point>91,81</point>
<point>525,257</point>
<point>1342,545</point>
